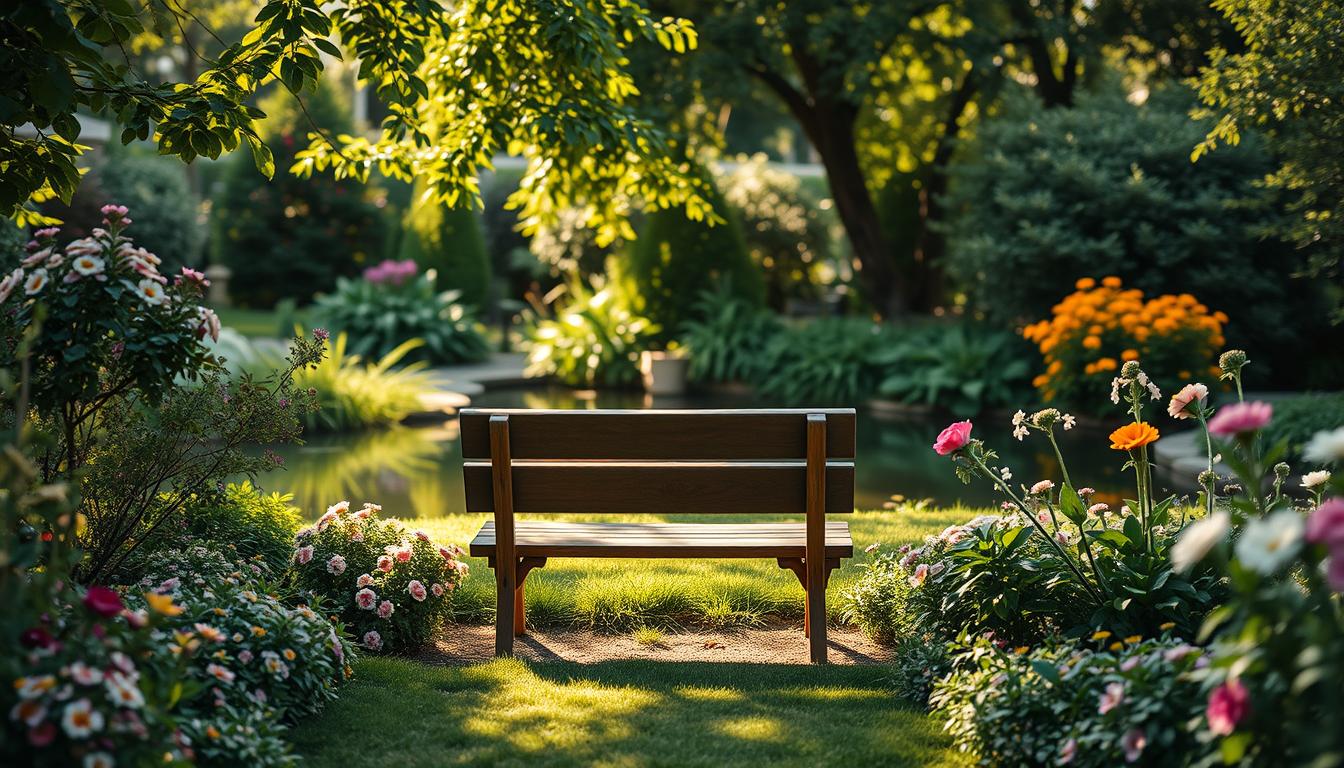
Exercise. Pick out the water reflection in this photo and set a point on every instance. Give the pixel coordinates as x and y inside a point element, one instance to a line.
<point>417,472</point>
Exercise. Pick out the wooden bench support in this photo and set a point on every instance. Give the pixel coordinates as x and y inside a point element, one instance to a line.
<point>799,568</point>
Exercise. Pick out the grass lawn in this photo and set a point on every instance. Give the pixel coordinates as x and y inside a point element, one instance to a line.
<point>626,713</point>
<point>621,595</point>
<point>260,323</point>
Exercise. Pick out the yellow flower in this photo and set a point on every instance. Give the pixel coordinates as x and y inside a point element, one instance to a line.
<point>1021,649</point>
<point>1167,626</point>
<point>212,732</point>
<point>1116,646</point>
<point>1085,284</point>
<point>162,604</point>
<point>258,631</point>
<point>1092,342</point>
<point>289,654</point>
<point>1111,281</point>
<point>1132,436</point>
<point>1132,639</point>
<point>1102,635</point>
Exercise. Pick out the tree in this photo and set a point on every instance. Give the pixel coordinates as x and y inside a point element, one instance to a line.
<point>1289,85</point>
<point>884,92</point>
<point>461,81</point>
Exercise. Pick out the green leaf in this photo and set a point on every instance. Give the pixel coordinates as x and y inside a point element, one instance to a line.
<point>1071,505</point>
<point>1046,670</point>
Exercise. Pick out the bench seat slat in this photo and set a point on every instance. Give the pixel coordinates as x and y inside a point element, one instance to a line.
<point>544,538</point>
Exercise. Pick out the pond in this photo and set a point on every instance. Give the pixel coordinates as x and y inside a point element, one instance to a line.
<point>417,471</point>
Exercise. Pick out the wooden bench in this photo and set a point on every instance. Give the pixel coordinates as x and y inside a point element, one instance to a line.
<point>665,463</point>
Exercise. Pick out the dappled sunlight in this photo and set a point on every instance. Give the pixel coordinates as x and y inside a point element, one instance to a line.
<point>754,728</point>
<point>697,693</point>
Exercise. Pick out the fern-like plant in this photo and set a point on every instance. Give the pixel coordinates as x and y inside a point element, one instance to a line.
<point>594,338</point>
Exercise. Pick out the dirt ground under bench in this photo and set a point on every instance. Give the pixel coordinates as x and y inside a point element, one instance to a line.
<point>470,643</point>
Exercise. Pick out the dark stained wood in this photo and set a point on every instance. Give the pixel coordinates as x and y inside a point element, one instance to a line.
<point>547,538</point>
<point>799,569</point>
<point>525,566</point>
<point>815,552</point>
<point>766,487</point>
<point>506,575</point>
<point>658,435</point>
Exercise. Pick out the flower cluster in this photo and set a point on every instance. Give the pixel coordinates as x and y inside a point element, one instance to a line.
<point>1099,327</point>
<point>390,272</point>
<point>391,585</point>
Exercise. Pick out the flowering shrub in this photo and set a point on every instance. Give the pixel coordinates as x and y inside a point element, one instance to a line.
<point>1098,328</point>
<point>391,305</point>
<point>390,585</point>
<point>1065,705</point>
<point>877,600</point>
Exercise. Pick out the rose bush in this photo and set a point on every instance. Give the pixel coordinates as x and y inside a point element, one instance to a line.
<point>390,585</point>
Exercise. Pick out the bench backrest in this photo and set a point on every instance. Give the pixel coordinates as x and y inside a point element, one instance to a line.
<point>658,462</point>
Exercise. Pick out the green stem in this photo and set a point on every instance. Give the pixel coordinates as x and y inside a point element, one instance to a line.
<point>1063,469</point>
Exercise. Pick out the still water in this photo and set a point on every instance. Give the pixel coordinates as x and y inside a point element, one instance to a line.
<point>417,471</point>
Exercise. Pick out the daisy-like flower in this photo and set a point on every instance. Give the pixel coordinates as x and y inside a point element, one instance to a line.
<point>80,720</point>
<point>1198,539</point>
<point>1325,447</point>
<point>220,673</point>
<point>1268,543</point>
<point>35,282</point>
<point>88,265</point>
<point>151,292</point>
<point>1314,479</point>
<point>99,760</point>
<point>84,674</point>
<point>209,633</point>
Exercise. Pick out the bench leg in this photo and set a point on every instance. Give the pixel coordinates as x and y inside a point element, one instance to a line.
<point>525,566</point>
<point>799,568</point>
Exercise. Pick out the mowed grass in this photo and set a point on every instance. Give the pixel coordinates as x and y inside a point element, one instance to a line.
<point>621,595</point>
<point>624,713</point>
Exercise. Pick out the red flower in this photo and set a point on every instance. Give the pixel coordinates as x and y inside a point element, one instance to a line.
<point>103,601</point>
<point>36,637</point>
<point>1227,706</point>
<point>954,438</point>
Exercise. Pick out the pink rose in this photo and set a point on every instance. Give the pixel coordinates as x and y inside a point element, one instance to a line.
<point>1326,524</point>
<point>364,580</point>
<point>1240,418</point>
<point>437,589</point>
<point>1179,407</point>
<point>1111,698</point>
<point>404,555</point>
<point>102,601</point>
<point>385,564</point>
<point>303,555</point>
<point>385,609</point>
<point>336,565</point>
<point>356,534</point>
<point>954,438</point>
<point>365,598</point>
<point>421,535</point>
<point>417,590</point>
<point>1227,706</point>
<point>372,640</point>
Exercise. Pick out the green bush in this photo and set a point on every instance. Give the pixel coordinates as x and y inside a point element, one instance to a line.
<point>1298,418</point>
<point>877,601</point>
<point>449,241</point>
<point>674,259</point>
<point>162,204</point>
<point>962,368</point>
<point>353,394</point>
<point>783,226</point>
<point>291,237</point>
<point>1049,196</point>
<point>379,315</point>
<point>1059,704</point>
<point>594,338</point>
<point>727,337</point>
<point>828,360</point>
<point>392,586</point>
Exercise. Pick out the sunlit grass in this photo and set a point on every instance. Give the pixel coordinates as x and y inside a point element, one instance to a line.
<point>622,595</point>
<point>627,713</point>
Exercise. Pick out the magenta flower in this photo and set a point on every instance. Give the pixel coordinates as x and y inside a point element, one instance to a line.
<point>1228,704</point>
<point>321,334</point>
<point>954,438</point>
<point>1241,418</point>
<point>1326,524</point>
<point>103,601</point>
<point>1133,743</point>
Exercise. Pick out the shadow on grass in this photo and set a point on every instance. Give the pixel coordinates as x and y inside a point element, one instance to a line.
<point>619,713</point>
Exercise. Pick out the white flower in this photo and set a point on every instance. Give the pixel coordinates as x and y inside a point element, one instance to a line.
<point>10,282</point>
<point>124,690</point>
<point>1069,421</point>
<point>1268,543</point>
<point>88,265</point>
<point>81,720</point>
<point>1325,447</point>
<point>1018,418</point>
<point>151,292</point>
<point>84,674</point>
<point>37,280</point>
<point>1006,473</point>
<point>1020,432</point>
<point>1198,539</point>
<point>1313,479</point>
<point>99,760</point>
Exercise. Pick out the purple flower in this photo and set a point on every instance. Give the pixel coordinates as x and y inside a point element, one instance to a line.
<point>321,334</point>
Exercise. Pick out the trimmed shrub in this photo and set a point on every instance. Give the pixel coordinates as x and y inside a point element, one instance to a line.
<point>391,585</point>
<point>1050,196</point>
<point>291,237</point>
<point>674,259</point>
<point>450,242</point>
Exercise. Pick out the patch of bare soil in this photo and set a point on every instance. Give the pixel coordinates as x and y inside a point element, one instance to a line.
<point>460,644</point>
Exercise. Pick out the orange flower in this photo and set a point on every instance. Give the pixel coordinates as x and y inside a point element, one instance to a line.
<point>1111,281</point>
<point>1130,354</point>
<point>162,604</point>
<point>1092,342</point>
<point>1085,283</point>
<point>1132,436</point>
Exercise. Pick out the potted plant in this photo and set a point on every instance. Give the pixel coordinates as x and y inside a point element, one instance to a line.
<point>665,371</point>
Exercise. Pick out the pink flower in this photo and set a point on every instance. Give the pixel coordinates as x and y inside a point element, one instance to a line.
<point>1326,524</point>
<point>192,276</point>
<point>1133,743</point>
<point>364,580</point>
<point>1041,487</point>
<point>1179,407</point>
<point>366,598</point>
<point>303,555</point>
<point>953,438</point>
<point>1111,698</point>
<point>1227,706</point>
<point>356,534</point>
<point>1241,418</point>
<point>404,555</point>
<point>336,565</point>
<point>445,553</point>
<point>437,589</point>
<point>421,535</point>
<point>321,334</point>
<point>385,609</point>
<point>921,573</point>
<point>372,640</point>
<point>245,656</point>
<point>102,601</point>
<point>417,590</point>
<point>1098,508</point>
<point>385,564</point>
<point>1067,751</point>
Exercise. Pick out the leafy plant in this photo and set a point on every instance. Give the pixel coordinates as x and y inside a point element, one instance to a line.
<point>828,360</point>
<point>392,584</point>
<point>593,340</point>
<point>352,394</point>
<point>379,314</point>
<point>727,336</point>
<point>447,242</point>
<point>958,367</point>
